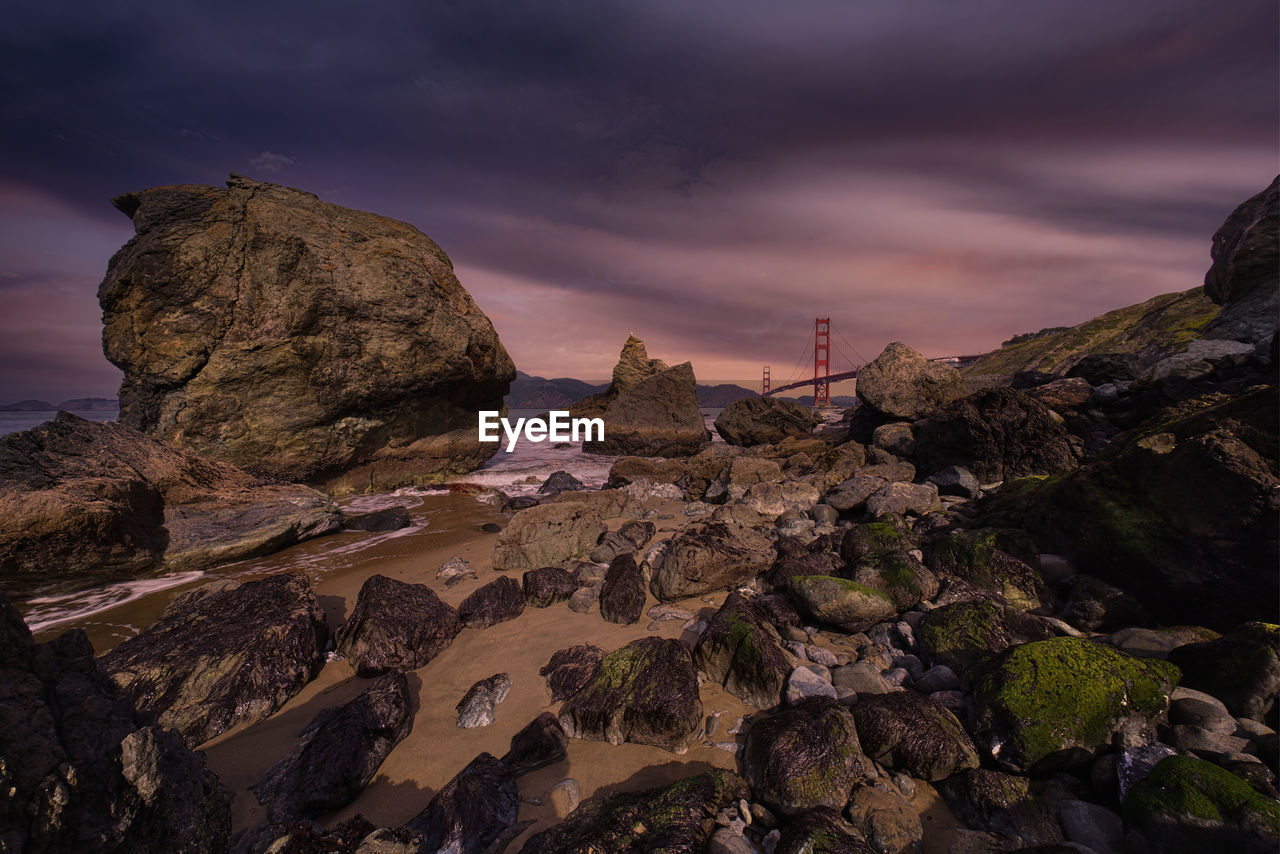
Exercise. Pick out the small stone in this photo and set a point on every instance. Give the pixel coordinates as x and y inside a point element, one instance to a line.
<point>712,724</point>
<point>584,598</point>
<point>564,797</point>
<point>818,655</point>
<point>729,747</point>
<point>476,707</point>
<point>803,683</point>
<point>455,567</point>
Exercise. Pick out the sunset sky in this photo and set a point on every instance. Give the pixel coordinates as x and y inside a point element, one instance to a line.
<point>708,175</point>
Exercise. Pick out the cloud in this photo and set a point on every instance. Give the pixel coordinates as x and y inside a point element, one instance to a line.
<point>269,161</point>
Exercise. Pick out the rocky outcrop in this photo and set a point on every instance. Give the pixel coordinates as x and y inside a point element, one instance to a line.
<point>763,421</point>
<point>395,626</point>
<point>80,771</point>
<point>223,655</point>
<point>709,556</point>
<point>650,410</point>
<point>258,325</point>
<point>741,651</point>
<point>339,752</point>
<point>1096,692</point>
<point>644,693</point>
<point>678,817</point>
<point>1245,276</point>
<point>471,811</point>
<point>900,383</point>
<point>86,497</point>
<point>546,535</point>
<point>807,756</point>
<point>997,434</point>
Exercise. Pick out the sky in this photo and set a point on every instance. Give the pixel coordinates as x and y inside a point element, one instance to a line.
<point>710,176</point>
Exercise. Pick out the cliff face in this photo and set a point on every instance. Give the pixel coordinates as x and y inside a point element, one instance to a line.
<point>1245,276</point>
<point>258,325</point>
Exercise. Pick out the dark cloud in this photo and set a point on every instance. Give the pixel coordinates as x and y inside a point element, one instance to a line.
<point>946,173</point>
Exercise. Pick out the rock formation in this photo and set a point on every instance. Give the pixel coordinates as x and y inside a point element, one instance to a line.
<point>260,326</point>
<point>1245,276</point>
<point>900,383</point>
<point>650,410</point>
<point>81,496</point>
<point>762,420</point>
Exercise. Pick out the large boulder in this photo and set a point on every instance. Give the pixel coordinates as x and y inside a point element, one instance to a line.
<point>645,693</point>
<point>840,602</point>
<point>900,383</point>
<point>998,434</point>
<point>740,650</point>
<point>763,421</point>
<point>223,655</point>
<point>570,669</point>
<point>546,535</point>
<point>79,496</point>
<point>496,602</point>
<point>81,772</point>
<point>965,634</point>
<point>1242,669</point>
<point>339,752</point>
<point>338,338</point>
<point>649,410</point>
<point>977,558</point>
<point>471,811</point>
<point>913,734</point>
<point>395,626</point>
<point>807,756</point>
<point>1245,276</point>
<point>1052,703</point>
<point>663,820</point>
<point>710,556</point>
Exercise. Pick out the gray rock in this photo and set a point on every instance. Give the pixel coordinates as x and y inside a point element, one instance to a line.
<point>1196,708</point>
<point>1093,826</point>
<point>1213,746</point>
<point>1135,763</point>
<point>763,420</point>
<point>824,514</point>
<point>476,707</point>
<point>804,683</point>
<point>558,482</point>
<point>709,556</point>
<point>937,678</point>
<point>496,602</point>
<point>725,841</point>
<point>584,598</point>
<point>542,742</point>
<point>1243,276</point>
<point>956,480</point>
<point>852,494</point>
<point>903,499</point>
<point>895,437</point>
<point>860,678</point>
<point>453,570</point>
<point>546,535</point>
<point>900,383</point>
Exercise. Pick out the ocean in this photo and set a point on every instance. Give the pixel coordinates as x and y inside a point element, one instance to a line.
<point>15,422</point>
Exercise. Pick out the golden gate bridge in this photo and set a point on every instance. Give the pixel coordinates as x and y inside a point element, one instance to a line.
<point>822,362</point>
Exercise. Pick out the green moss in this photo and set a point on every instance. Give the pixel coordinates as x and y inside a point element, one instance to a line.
<point>1053,695</point>
<point>882,536</point>
<point>810,585</point>
<point>1182,786</point>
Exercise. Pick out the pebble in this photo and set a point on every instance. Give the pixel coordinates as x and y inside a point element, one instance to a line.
<point>897,676</point>
<point>730,747</point>
<point>818,655</point>
<point>726,841</point>
<point>712,724</point>
<point>564,797</point>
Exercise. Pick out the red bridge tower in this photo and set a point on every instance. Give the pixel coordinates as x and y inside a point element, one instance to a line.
<point>821,360</point>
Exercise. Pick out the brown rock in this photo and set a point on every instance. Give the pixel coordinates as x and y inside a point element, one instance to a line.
<point>900,383</point>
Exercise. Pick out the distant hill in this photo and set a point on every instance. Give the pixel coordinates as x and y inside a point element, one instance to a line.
<point>530,392</point>
<point>1151,330</point>
<point>720,396</point>
<point>76,404</point>
<point>845,400</point>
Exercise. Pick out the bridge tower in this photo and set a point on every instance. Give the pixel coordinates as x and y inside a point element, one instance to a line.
<point>821,362</point>
<point>764,385</point>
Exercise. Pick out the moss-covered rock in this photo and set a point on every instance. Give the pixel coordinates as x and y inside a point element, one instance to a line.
<point>873,538</point>
<point>740,651</point>
<point>665,820</point>
<point>1242,669</point>
<point>1006,804</point>
<point>1052,703</point>
<point>822,831</point>
<point>915,734</point>
<point>805,757</point>
<point>645,692</point>
<point>1189,806</point>
<point>976,557</point>
<point>899,575</point>
<point>841,602</point>
<point>966,634</point>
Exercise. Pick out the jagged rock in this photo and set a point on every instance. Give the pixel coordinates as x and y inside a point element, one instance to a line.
<point>1242,669</point>
<point>79,774</point>
<point>821,830</point>
<point>547,585</point>
<point>649,410</point>
<point>476,707</point>
<point>913,734</point>
<point>708,556</point>
<point>471,810</point>
<point>977,558</point>
<point>395,626</point>
<point>455,569</point>
<point>605,503</point>
<point>1064,394</point>
<point>1097,691</point>
<point>763,421</point>
<point>1187,806</point>
<point>663,820</point>
<point>804,757</point>
<point>902,384</point>
<point>338,754</point>
<point>220,656</point>
<point>386,519</point>
<point>331,344</point>
<point>888,823</point>
<point>852,494</point>
<point>546,535</point>
<point>622,595</point>
<point>840,602</point>
<point>1243,278</point>
<point>570,669</point>
<point>998,434</point>
<point>496,602</point>
<point>1002,803</point>
<point>541,743</point>
<point>628,470</point>
<point>86,497</point>
<point>1200,359</point>
<point>965,634</point>
<point>740,651</point>
<point>558,482</point>
<point>804,682</point>
<point>645,692</point>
